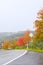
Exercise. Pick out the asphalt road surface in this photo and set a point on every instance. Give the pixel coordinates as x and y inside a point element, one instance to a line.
<point>30,58</point>
<point>8,55</point>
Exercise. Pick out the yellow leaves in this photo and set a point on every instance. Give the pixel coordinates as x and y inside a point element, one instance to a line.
<point>38,30</point>
<point>6,44</point>
<point>39,27</point>
<point>38,23</point>
<point>14,44</point>
<point>41,36</point>
<point>26,37</point>
<point>9,45</point>
<point>38,36</point>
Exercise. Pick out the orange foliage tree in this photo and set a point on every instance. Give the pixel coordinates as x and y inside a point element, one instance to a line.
<point>13,44</point>
<point>6,44</point>
<point>38,36</point>
<point>27,37</point>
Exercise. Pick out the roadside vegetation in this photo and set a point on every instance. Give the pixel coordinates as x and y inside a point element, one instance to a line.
<point>26,42</point>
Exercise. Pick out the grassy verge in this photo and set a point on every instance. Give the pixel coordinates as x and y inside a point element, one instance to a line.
<point>35,50</point>
<point>28,49</point>
<point>24,48</point>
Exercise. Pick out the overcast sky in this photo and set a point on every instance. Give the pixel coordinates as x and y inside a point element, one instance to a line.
<point>18,15</point>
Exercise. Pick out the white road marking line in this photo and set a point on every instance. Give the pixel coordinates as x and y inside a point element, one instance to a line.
<point>15,58</point>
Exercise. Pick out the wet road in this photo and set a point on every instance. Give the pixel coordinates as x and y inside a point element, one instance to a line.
<point>30,58</point>
<point>8,55</point>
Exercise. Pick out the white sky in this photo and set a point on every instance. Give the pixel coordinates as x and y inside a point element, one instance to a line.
<point>18,15</point>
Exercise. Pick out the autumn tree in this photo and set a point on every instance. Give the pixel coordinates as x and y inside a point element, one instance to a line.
<point>20,41</point>
<point>38,36</point>
<point>6,44</point>
<point>13,44</point>
<point>27,37</point>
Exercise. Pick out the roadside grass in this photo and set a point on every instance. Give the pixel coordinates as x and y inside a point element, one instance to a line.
<point>20,48</point>
<point>28,49</point>
<point>35,50</point>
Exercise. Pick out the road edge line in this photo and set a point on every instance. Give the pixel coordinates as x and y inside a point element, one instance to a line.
<point>15,58</point>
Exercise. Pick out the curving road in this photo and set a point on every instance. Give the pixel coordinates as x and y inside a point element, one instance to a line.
<point>30,58</point>
<point>7,56</point>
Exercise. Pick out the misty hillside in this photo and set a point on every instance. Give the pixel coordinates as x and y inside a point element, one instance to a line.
<point>11,35</point>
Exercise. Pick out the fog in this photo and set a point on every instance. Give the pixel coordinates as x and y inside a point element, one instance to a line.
<point>18,15</point>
